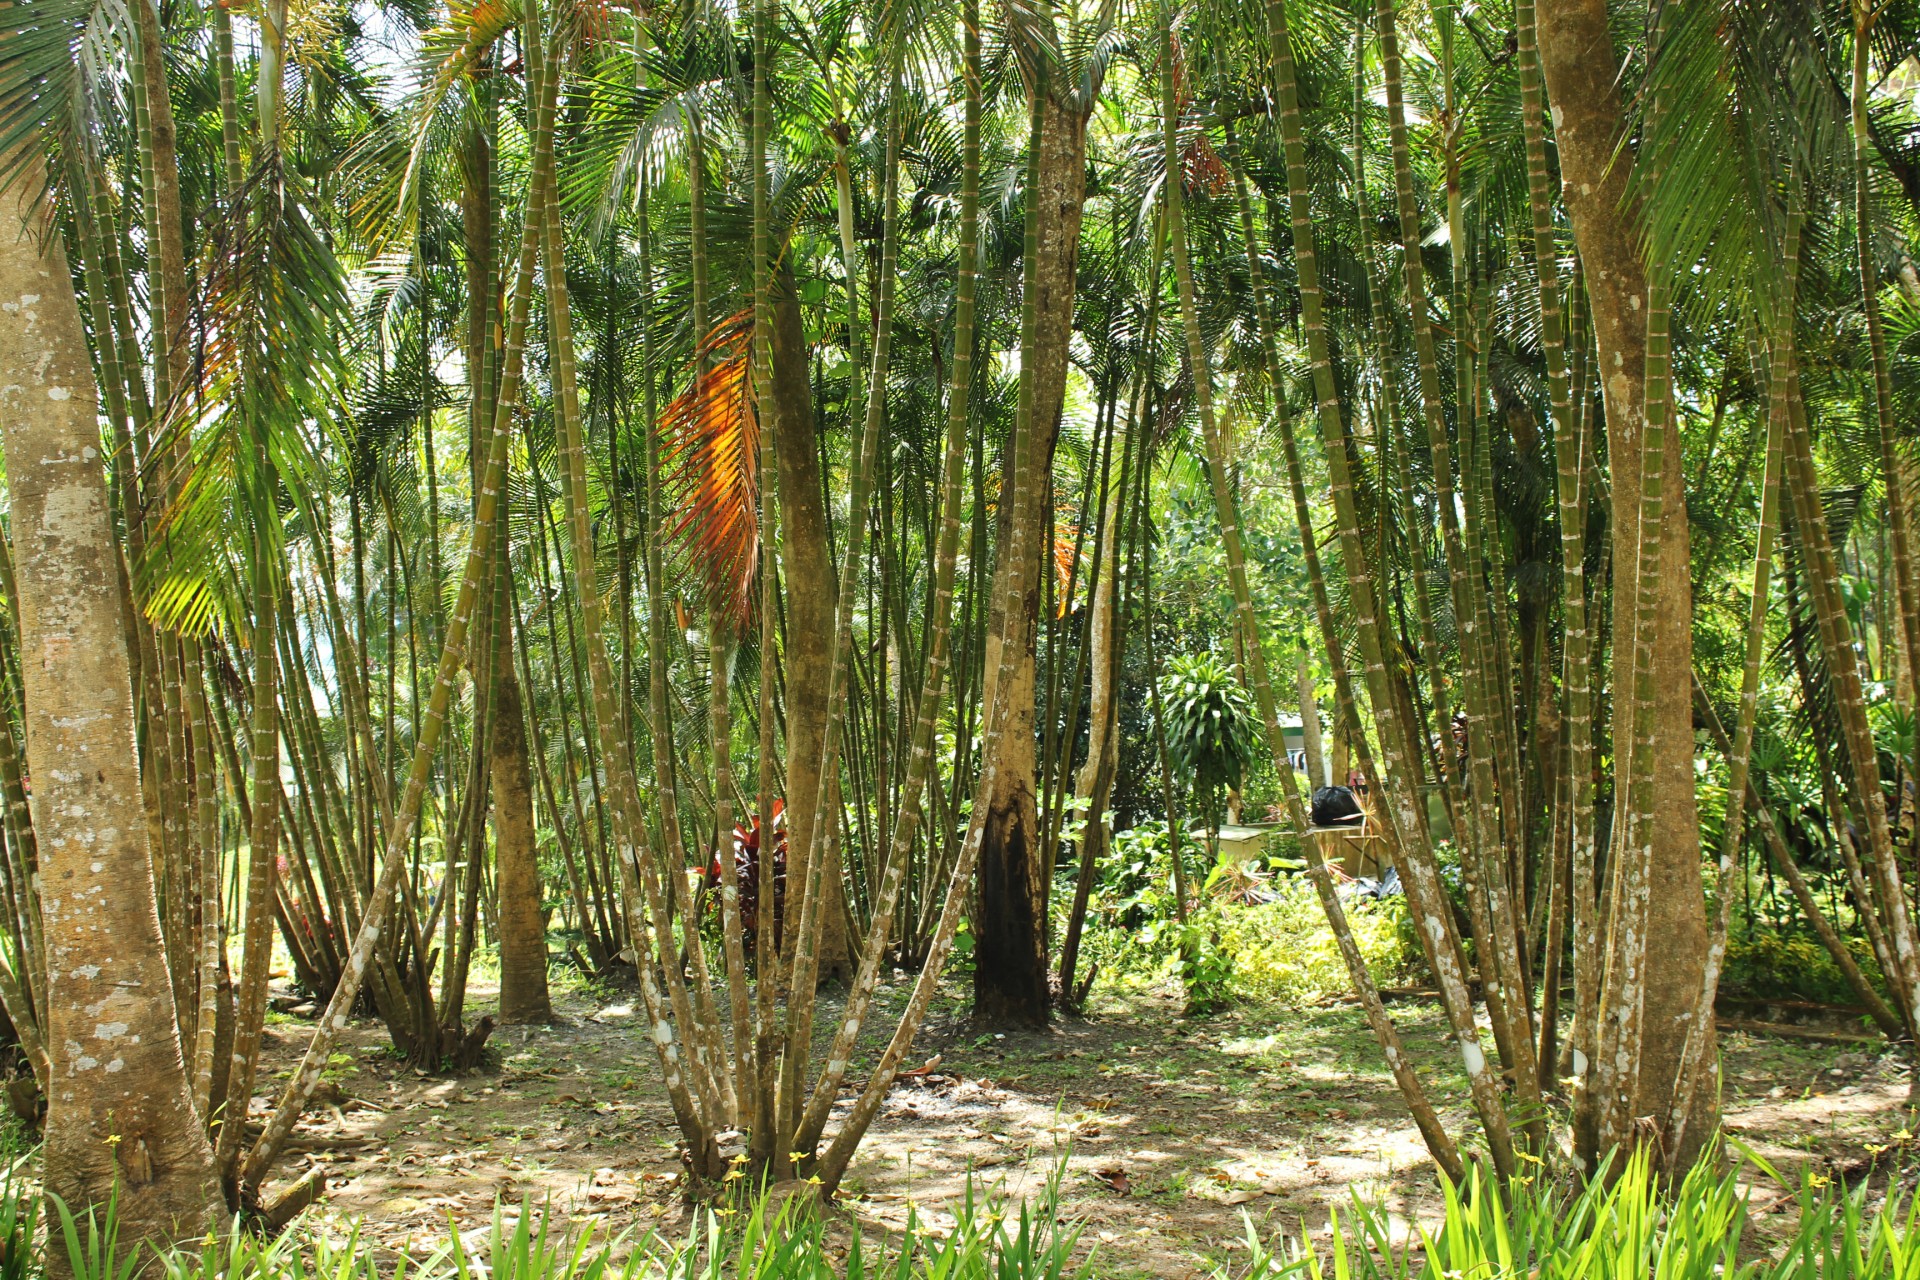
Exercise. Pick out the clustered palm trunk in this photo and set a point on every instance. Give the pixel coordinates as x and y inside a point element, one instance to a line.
<point>817,450</point>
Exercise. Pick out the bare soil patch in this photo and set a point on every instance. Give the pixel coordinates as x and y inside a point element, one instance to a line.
<point>1162,1130</point>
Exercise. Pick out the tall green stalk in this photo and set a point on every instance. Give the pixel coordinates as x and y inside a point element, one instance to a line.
<point>939,640</point>
<point>306,1077</point>
<point>1444,1152</point>
<point>1420,871</point>
<point>1906,587</point>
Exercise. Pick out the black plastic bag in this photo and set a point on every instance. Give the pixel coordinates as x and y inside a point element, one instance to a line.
<point>1335,807</point>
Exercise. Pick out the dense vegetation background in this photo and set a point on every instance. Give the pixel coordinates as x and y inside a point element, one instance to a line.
<point>749,501</point>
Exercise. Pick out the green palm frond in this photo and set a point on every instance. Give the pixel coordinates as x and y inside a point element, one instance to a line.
<point>270,375</point>
<point>39,74</point>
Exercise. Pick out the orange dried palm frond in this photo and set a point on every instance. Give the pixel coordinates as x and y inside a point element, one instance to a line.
<point>1064,553</point>
<point>710,456</point>
<point>1202,169</point>
<point>1202,172</point>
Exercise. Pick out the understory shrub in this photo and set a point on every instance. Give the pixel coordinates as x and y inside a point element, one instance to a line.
<point>1791,964</point>
<point>1283,949</point>
<point>1252,933</point>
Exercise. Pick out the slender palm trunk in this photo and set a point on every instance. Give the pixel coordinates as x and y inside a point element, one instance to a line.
<point>954,897</point>
<point>1444,1152</point>
<point>764,1143</point>
<point>306,1077</point>
<point>1574,813</point>
<point>919,769</point>
<point>646,881</point>
<point>1887,899</point>
<point>1580,69</point>
<point>1420,871</point>
<point>1893,471</point>
<point>822,866</point>
<point>1696,1060</point>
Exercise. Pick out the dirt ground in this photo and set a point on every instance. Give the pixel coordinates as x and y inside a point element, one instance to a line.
<point>1164,1130</point>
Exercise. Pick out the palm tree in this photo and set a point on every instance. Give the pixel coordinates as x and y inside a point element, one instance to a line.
<point>1063,68</point>
<point>1652,610</point>
<point>121,1123</point>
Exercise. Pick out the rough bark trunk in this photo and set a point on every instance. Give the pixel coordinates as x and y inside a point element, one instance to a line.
<point>523,924</point>
<point>1010,924</point>
<point>807,570</point>
<point>120,1118</point>
<point>1577,55</point>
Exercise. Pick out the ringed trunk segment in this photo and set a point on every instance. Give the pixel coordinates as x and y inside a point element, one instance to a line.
<point>946,557</point>
<point>1425,890</point>
<point>691,1074</point>
<point>306,1077</point>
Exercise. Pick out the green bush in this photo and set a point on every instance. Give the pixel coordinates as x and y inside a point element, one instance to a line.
<point>1280,949</point>
<point>1777,964</point>
<point>1283,950</point>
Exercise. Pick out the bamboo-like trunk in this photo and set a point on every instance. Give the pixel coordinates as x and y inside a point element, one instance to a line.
<point>1419,870</point>
<point>1696,1060</point>
<point>1887,1019</point>
<point>763,1141</point>
<point>306,1077</point>
<point>645,874</point>
<point>919,769</point>
<point>1445,1154</point>
<point>822,861</point>
<point>1574,811</point>
<point>1580,69</point>
<point>1906,586</point>
<point>954,897</point>
<point>1866,795</point>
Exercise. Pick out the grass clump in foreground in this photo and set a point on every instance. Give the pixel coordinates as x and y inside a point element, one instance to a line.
<point>1626,1229</point>
<point>766,1238</point>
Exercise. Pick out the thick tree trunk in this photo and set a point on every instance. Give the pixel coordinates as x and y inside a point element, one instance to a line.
<point>1578,57</point>
<point>120,1119</point>
<point>1010,924</point>
<point>808,575</point>
<point>522,922</point>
